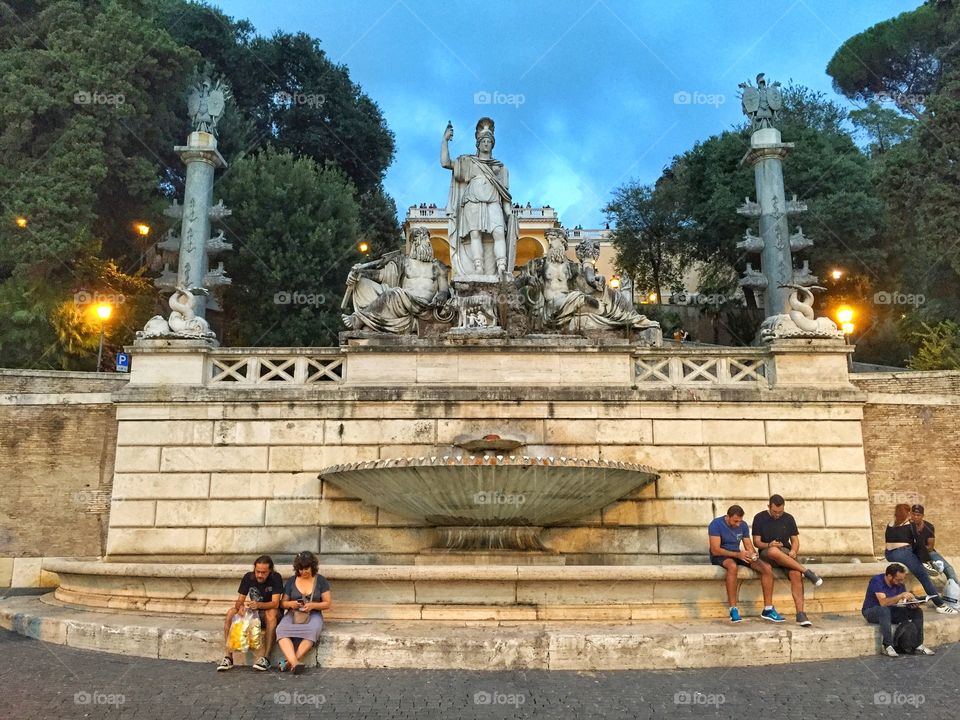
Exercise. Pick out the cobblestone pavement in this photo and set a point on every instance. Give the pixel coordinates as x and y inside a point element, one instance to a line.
<point>41,680</point>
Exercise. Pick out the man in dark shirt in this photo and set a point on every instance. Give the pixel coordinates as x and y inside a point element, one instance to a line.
<point>775,534</point>
<point>925,544</point>
<point>259,590</point>
<point>883,606</point>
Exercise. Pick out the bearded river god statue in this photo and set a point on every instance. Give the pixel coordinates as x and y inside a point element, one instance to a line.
<point>483,228</point>
<point>570,297</point>
<point>392,294</point>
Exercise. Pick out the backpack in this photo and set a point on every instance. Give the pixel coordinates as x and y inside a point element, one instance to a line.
<point>906,639</point>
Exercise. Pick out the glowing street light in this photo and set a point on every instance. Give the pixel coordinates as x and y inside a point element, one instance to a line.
<point>652,297</point>
<point>142,229</point>
<point>836,274</point>
<point>103,312</point>
<point>21,222</point>
<point>364,247</point>
<point>845,314</point>
<point>615,282</point>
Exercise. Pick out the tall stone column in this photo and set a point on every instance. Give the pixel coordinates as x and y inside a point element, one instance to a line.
<point>202,159</point>
<point>766,156</point>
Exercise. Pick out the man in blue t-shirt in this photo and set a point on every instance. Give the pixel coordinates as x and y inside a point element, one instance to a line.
<point>726,533</point>
<point>883,606</point>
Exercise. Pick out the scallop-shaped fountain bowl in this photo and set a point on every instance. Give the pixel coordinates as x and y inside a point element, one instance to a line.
<point>490,490</point>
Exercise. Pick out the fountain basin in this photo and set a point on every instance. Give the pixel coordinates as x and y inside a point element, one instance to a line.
<point>490,491</point>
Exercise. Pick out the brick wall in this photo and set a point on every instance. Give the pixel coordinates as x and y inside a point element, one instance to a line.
<point>911,437</point>
<point>57,444</point>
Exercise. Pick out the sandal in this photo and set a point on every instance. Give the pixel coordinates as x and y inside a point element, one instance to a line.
<point>282,666</point>
<point>297,669</point>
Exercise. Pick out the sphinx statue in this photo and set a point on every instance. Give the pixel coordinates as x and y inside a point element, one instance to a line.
<point>391,294</point>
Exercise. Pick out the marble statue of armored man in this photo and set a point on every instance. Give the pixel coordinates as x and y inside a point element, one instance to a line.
<point>483,228</point>
<point>391,293</point>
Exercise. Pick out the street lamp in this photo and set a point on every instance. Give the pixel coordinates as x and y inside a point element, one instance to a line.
<point>615,282</point>
<point>142,229</point>
<point>363,247</point>
<point>836,274</point>
<point>845,317</point>
<point>21,222</point>
<point>103,312</point>
<point>652,297</point>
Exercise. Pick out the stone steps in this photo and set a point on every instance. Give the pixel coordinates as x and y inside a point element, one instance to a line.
<point>481,645</point>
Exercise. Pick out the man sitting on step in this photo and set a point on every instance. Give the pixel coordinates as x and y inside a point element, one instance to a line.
<point>885,604</point>
<point>775,534</point>
<point>726,533</point>
<point>259,590</point>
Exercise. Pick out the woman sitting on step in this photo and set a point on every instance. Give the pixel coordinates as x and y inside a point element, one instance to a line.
<point>900,537</point>
<point>305,596</point>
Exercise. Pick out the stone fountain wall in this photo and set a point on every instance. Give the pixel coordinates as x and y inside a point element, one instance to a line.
<point>211,468</point>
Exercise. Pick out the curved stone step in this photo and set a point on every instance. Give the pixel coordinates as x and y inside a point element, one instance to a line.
<point>475,645</point>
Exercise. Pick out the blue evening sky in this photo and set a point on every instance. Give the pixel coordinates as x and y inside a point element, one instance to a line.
<point>585,95</point>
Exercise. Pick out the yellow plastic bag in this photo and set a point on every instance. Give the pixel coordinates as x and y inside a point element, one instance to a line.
<point>237,637</point>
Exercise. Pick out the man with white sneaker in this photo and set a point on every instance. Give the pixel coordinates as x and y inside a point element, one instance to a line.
<point>884,605</point>
<point>775,534</point>
<point>926,540</point>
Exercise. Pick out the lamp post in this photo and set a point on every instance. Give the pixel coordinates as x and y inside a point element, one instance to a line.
<point>103,312</point>
<point>845,318</point>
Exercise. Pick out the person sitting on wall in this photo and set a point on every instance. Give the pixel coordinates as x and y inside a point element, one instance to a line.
<point>925,544</point>
<point>775,534</point>
<point>306,595</point>
<point>726,533</point>
<point>259,590</point>
<point>883,606</point>
<point>901,540</point>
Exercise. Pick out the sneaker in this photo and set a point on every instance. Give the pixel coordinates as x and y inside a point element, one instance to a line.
<point>931,569</point>
<point>948,610</point>
<point>261,664</point>
<point>888,651</point>
<point>813,577</point>
<point>225,664</point>
<point>923,650</point>
<point>772,615</point>
<point>803,620</point>
<point>735,615</point>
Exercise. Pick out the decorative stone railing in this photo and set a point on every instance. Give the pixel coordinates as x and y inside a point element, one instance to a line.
<point>746,366</point>
<point>263,367</point>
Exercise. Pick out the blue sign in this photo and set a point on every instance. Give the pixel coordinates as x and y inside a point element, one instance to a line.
<point>123,362</point>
